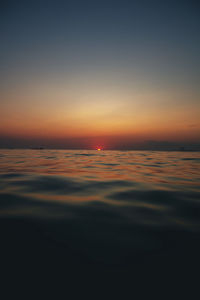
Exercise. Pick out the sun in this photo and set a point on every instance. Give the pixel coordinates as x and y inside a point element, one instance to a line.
<point>99,149</point>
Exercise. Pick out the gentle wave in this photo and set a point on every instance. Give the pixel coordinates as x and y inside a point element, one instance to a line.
<point>106,208</point>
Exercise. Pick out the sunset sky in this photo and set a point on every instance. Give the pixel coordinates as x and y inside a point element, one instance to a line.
<point>110,74</point>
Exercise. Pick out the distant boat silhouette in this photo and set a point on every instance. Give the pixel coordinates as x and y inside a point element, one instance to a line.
<point>182,148</point>
<point>37,148</point>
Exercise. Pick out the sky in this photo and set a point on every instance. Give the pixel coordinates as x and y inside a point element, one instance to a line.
<point>110,74</point>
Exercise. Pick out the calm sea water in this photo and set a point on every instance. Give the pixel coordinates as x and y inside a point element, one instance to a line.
<point>100,210</point>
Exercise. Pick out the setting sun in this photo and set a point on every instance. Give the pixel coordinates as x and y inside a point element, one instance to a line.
<point>99,149</point>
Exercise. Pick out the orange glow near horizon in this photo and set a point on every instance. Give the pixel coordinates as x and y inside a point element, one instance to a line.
<point>98,113</point>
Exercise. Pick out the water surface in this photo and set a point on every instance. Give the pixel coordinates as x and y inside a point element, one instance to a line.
<point>100,210</point>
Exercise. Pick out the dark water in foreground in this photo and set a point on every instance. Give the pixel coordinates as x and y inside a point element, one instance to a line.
<point>92,211</point>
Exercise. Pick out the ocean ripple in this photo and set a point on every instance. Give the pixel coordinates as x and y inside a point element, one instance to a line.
<point>110,210</point>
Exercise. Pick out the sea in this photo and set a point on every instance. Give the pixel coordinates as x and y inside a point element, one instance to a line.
<point>108,213</point>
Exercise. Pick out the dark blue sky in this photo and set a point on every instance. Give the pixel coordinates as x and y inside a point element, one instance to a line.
<point>59,34</point>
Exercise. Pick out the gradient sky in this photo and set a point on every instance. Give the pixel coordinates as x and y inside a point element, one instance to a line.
<point>109,74</point>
